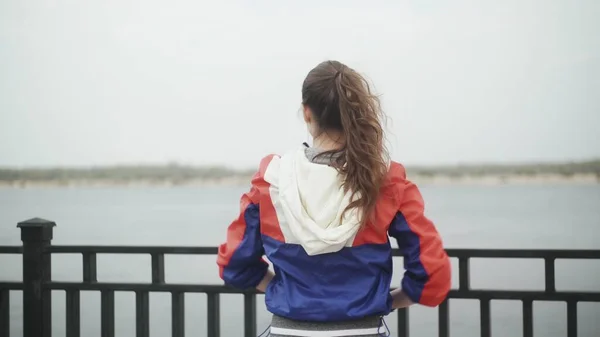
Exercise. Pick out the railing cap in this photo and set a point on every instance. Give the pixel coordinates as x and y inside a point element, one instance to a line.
<point>36,223</point>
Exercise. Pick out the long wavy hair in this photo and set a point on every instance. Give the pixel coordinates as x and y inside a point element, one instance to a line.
<point>341,100</point>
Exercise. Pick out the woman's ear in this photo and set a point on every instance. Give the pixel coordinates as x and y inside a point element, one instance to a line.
<point>307,114</point>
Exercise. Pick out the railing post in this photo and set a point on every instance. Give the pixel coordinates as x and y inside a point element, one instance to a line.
<point>36,235</point>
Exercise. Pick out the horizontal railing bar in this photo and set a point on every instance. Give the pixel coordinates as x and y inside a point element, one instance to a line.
<point>134,250</point>
<point>208,288</point>
<point>221,289</point>
<point>464,253</point>
<point>152,287</point>
<point>523,295</point>
<point>11,285</point>
<point>11,249</point>
<point>524,253</point>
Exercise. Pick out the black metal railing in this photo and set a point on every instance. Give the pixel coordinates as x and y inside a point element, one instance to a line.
<point>37,285</point>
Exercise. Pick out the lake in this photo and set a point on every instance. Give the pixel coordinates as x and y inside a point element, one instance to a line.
<point>505,216</point>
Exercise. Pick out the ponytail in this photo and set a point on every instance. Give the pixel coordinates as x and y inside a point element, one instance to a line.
<point>349,102</point>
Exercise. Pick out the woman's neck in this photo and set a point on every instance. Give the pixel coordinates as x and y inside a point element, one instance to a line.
<point>328,141</point>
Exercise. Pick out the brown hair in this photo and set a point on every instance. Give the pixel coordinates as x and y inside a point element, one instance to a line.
<point>341,100</point>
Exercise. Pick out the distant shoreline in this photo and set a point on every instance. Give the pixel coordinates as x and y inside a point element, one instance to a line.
<point>173,175</point>
<point>240,181</point>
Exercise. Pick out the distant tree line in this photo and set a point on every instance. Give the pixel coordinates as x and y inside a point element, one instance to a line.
<point>565,169</point>
<point>174,173</point>
<point>180,173</point>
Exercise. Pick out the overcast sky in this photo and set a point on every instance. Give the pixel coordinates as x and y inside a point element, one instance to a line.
<point>218,82</point>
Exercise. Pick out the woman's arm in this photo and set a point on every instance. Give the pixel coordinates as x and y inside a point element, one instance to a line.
<point>427,277</point>
<point>262,286</point>
<point>400,299</point>
<point>240,258</point>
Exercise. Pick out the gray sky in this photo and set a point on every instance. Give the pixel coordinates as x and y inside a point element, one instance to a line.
<point>206,82</point>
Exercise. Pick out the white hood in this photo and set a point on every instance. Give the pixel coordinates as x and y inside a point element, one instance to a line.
<point>309,202</point>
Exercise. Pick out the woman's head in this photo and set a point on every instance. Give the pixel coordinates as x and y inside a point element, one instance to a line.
<point>340,107</point>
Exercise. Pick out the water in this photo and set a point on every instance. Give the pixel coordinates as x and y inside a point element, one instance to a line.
<point>559,216</point>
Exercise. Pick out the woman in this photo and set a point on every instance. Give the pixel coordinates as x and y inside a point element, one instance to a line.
<point>322,216</point>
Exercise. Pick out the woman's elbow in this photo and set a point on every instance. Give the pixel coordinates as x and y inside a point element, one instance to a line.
<point>438,285</point>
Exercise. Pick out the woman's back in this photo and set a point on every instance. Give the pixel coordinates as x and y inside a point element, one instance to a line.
<point>323,216</point>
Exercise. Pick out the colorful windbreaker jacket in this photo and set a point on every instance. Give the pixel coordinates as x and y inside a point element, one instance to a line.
<point>328,267</point>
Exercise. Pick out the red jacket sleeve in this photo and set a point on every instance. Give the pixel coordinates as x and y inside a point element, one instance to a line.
<point>240,258</point>
<point>427,279</point>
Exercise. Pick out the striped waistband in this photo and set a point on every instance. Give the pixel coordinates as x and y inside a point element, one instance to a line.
<point>370,326</point>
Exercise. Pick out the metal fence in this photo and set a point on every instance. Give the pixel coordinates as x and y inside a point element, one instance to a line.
<point>37,285</point>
